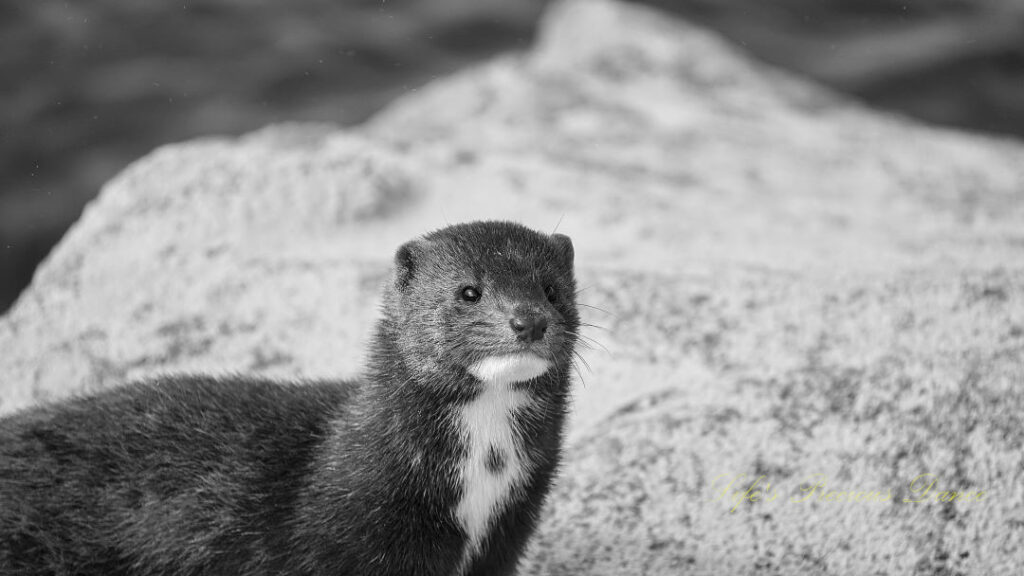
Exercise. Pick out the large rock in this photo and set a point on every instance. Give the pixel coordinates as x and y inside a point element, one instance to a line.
<point>783,285</point>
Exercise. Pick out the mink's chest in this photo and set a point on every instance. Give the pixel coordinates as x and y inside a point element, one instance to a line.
<point>495,464</point>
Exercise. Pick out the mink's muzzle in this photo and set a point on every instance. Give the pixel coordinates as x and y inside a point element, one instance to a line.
<point>526,329</point>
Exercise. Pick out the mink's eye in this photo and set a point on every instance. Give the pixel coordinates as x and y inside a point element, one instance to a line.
<point>551,292</point>
<point>470,294</point>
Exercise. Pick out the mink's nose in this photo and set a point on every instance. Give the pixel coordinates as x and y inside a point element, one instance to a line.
<point>529,327</point>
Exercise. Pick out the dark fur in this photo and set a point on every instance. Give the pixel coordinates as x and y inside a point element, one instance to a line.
<point>203,476</point>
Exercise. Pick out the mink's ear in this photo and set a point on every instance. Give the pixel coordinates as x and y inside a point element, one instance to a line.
<point>405,262</point>
<point>564,245</point>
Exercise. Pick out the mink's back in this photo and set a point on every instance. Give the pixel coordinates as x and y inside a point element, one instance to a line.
<point>181,475</point>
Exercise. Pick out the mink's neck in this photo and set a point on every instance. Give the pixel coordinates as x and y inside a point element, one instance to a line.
<point>393,384</point>
<point>387,472</point>
<point>385,475</point>
<point>400,415</point>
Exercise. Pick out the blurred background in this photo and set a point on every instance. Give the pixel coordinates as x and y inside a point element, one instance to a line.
<point>87,86</point>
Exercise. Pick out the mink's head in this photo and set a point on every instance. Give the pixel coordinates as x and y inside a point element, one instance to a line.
<point>495,299</point>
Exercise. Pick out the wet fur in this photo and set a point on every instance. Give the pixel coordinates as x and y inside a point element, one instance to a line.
<point>199,475</point>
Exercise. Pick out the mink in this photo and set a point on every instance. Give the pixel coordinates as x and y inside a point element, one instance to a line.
<point>437,460</point>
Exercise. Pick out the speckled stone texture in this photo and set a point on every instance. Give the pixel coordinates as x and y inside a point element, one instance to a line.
<point>784,286</point>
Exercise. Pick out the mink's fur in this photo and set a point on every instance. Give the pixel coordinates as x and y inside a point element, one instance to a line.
<point>197,475</point>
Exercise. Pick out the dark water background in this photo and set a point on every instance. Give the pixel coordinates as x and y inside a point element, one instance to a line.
<point>87,86</point>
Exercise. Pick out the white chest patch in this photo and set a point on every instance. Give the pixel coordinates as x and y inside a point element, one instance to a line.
<point>495,463</point>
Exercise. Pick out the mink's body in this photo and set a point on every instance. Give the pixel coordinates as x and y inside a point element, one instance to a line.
<point>436,462</point>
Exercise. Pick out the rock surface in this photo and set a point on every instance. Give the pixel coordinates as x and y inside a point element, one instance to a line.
<point>785,285</point>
